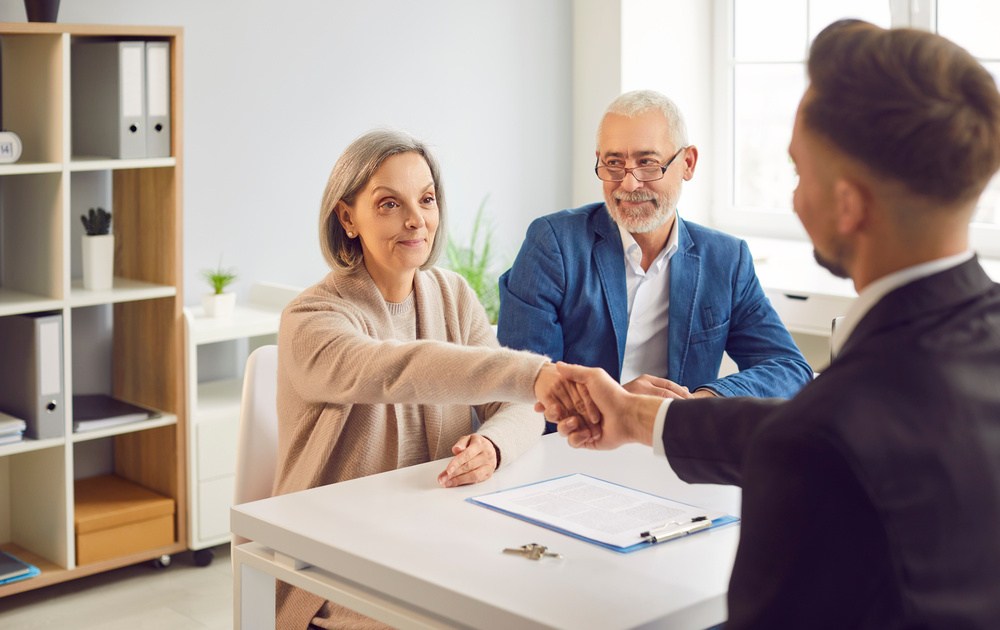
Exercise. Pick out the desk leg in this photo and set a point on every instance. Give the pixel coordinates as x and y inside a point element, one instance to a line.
<point>253,595</point>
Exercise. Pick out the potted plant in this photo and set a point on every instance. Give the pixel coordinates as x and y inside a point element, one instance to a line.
<point>219,303</point>
<point>473,262</point>
<point>98,250</point>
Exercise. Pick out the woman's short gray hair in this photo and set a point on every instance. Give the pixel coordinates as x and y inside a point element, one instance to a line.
<point>631,104</point>
<point>350,174</point>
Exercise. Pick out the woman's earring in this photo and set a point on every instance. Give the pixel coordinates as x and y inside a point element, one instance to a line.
<point>350,235</point>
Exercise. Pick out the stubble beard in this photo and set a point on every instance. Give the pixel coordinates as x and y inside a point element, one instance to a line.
<point>833,267</point>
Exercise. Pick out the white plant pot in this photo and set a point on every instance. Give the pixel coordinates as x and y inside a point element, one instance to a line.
<point>98,262</point>
<point>219,305</point>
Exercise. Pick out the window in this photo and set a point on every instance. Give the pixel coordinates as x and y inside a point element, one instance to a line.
<point>763,46</point>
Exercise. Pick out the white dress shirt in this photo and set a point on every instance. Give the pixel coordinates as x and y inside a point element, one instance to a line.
<point>648,308</point>
<point>869,297</point>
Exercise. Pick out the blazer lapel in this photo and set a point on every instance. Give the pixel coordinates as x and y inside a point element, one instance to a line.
<point>685,280</point>
<point>609,258</point>
<point>911,301</point>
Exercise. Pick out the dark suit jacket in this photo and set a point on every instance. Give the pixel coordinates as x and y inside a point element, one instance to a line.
<point>871,499</point>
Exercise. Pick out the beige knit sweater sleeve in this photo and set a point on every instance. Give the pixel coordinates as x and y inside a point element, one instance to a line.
<point>337,346</point>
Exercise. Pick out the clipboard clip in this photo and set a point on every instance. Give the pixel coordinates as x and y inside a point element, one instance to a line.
<point>676,530</point>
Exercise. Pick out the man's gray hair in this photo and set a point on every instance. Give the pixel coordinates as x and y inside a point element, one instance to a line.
<point>631,104</point>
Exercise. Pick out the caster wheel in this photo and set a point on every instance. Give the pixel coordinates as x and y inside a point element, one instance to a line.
<point>203,557</point>
<point>162,562</point>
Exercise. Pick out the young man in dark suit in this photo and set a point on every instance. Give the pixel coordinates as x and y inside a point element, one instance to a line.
<point>871,499</point>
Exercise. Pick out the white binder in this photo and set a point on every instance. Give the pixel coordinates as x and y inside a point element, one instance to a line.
<point>109,99</point>
<point>31,373</point>
<point>157,99</point>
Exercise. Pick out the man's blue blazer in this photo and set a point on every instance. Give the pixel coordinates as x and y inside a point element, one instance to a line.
<point>565,297</point>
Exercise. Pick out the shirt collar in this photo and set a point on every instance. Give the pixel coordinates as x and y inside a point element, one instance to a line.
<point>874,292</point>
<point>633,254</point>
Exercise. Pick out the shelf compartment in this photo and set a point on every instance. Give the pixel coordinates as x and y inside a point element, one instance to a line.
<point>50,571</point>
<point>31,234</point>
<point>147,222</point>
<point>33,504</point>
<point>33,67</point>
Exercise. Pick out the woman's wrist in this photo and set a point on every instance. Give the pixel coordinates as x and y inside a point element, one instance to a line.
<point>496,450</point>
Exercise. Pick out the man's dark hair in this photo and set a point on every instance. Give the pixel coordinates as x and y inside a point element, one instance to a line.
<point>909,104</point>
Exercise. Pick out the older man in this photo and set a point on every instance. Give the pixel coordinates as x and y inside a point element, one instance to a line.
<point>628,286</point>
<point>871,499</point>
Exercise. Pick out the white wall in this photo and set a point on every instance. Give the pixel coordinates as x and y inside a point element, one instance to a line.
<point>273,92</point>
<point>663,45</point>
<point>597,80</point>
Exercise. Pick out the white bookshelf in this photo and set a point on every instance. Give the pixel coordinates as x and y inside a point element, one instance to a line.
<point>137,350</point>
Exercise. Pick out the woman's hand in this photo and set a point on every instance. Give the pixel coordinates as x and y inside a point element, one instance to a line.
<point>557,398</point>
<point>476,458</point>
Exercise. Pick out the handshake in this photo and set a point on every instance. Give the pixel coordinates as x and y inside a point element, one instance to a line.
<point>593,411</point>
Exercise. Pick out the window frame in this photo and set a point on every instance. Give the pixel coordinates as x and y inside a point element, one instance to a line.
<point>779,222</point>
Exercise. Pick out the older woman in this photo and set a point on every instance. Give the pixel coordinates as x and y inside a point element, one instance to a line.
<point>381,360</point>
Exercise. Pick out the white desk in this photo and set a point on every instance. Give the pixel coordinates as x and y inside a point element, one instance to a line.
<point>806,296</point>
<point>397,547</point>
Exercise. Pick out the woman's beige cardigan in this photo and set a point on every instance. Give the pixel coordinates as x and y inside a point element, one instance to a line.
<point>343,380</point>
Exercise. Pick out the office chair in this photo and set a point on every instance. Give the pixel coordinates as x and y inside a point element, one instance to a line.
<point>257,445</point>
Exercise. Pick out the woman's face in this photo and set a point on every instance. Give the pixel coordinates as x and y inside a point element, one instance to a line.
<point>395,216</point>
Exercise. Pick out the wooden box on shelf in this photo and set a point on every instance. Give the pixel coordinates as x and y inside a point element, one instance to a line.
<point>115,517</point>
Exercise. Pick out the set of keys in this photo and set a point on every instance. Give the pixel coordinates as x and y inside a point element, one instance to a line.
<point>534,551</point>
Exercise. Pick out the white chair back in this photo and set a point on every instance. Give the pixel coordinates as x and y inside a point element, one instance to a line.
<point>257,448</point>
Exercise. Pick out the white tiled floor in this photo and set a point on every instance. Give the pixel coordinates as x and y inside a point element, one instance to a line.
<point>179,597</point>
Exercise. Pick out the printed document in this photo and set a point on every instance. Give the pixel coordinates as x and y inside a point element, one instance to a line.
<point>595,510</point>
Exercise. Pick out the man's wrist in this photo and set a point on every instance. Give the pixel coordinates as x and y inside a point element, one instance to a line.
<point>659,425</point>
<point>643,417</point>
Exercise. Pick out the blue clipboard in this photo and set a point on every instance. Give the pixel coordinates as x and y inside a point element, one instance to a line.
<point>718,521</point>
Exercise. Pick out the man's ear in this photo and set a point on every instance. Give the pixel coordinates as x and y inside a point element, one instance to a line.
<point>690,161</point>
<point>851,204</point>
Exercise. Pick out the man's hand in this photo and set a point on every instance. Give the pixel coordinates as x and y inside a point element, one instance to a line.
<point>625,417</point>
<point>559,398</point>
<point>650,385</point>
<point>475,460</point>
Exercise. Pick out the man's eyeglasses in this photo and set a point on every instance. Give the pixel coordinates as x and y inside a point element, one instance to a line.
<point>640,173</point>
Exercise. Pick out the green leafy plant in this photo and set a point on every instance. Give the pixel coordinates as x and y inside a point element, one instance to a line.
<point>473,261</point>
<point>219,278</point>
<point>97,222</point>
